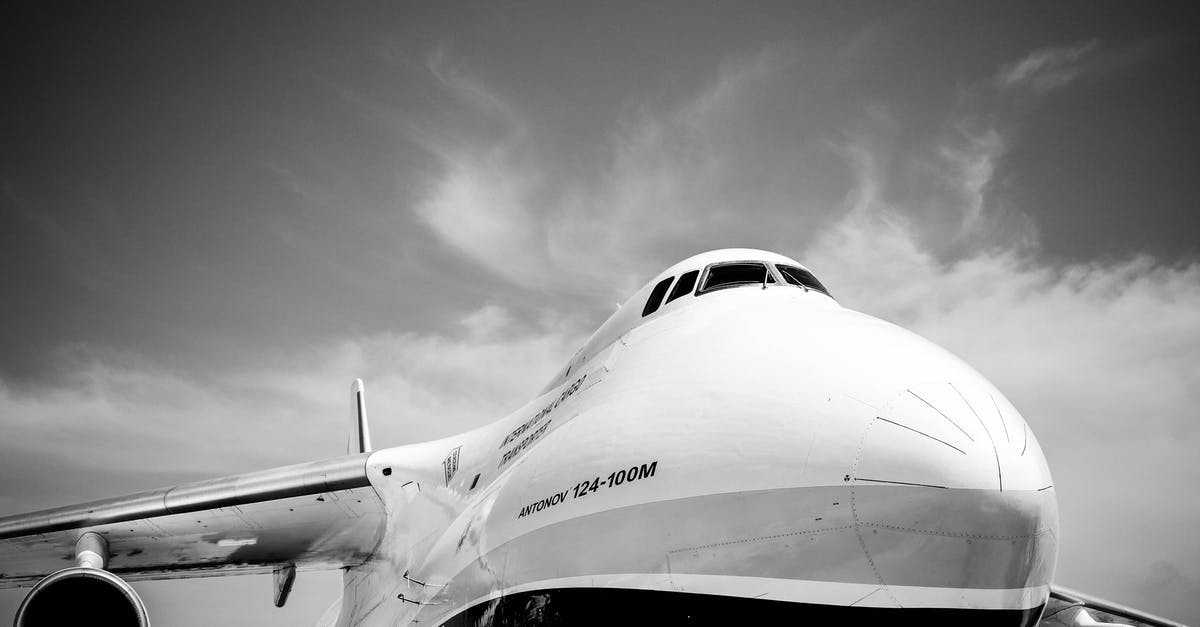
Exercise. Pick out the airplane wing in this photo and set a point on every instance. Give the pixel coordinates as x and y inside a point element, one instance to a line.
<point>1065,606</point>
<point>318,515</point>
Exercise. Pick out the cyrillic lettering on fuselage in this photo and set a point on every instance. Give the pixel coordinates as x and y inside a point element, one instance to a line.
<point>533,422</point>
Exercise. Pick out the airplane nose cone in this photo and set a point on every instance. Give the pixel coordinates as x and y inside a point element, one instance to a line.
<point>952,434</point>
<point>951,493</point>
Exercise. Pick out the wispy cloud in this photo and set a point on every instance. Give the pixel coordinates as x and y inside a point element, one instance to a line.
<point>1048,68</point>
<point>120,413</point>
<point>468,90</point>
<point>947,184</point>
<point>500,201</point>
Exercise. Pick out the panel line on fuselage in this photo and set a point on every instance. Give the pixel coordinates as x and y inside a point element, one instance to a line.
<point>919,485</point>
<point>988,432</point>
<point>964,431</point>
<point>922,433</point>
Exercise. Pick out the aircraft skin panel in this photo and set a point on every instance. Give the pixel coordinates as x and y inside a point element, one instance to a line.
<point>780,559</point>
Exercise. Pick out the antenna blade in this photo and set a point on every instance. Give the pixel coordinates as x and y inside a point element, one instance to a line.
<point>360,433</point>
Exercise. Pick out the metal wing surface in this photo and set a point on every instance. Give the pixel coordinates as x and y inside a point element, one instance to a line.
<point>1065,605</point>
<point>318,515</point>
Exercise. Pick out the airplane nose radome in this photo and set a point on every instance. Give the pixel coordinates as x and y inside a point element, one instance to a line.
<point>951,491</point>
<point>953,434</point>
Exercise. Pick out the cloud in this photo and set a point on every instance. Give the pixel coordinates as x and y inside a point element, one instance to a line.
<point>1047,69</point>
<point>466,89</point>
<point>480,206</point>
<point>117,413</point>
<point>1084,343</point>
<point>500,201</point>
<point>949,184</point>
<point>969,167</point>
<point>1050,69</point>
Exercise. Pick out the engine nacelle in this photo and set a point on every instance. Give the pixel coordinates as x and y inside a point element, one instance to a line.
<point>82,595</point>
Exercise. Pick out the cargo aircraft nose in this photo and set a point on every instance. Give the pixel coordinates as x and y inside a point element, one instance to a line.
<point>952,501</point>
<point>808,463</point>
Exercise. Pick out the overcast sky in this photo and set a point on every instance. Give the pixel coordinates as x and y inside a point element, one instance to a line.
<point>213,219</point>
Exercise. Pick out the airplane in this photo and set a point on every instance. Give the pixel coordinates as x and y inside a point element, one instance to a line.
<point>732,444</point>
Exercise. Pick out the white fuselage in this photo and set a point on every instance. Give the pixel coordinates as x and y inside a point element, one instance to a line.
<point>753,444</point>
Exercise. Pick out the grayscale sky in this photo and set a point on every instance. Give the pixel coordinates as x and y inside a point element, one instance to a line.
<point>213,218</point>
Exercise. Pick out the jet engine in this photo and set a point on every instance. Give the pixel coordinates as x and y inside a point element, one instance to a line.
<point>83,594</point>
<point>80,595</point>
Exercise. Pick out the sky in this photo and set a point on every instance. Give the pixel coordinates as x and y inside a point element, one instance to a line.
<point>214,217</point>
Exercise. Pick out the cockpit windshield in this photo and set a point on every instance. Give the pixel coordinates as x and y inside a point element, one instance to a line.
<point>801,278</point>
<point>734,274</point>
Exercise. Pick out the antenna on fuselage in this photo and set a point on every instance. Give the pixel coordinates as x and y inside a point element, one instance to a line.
<point>360,434</point>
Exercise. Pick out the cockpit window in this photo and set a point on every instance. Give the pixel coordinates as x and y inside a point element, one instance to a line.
<point>801,278</point>
<point>735,274</point>
<point>686,282</point>
<point>656,296</point>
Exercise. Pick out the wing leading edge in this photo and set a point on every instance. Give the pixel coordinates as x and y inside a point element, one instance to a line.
<point>1066,603</point>
<point>315,515</point>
